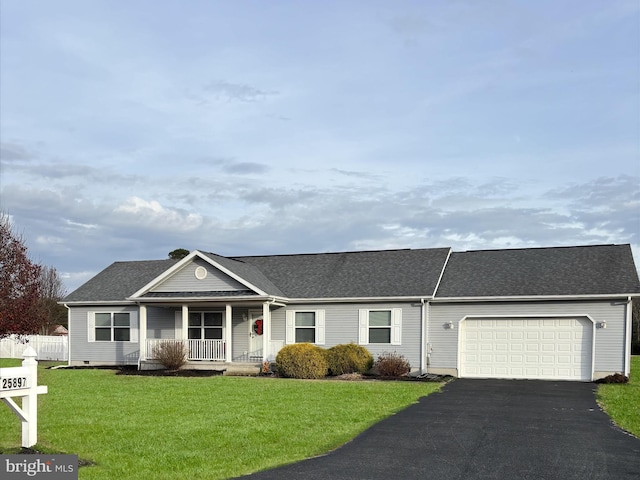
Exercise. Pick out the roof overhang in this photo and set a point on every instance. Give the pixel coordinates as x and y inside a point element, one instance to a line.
<point>419,298</point>
<point>536,298</point>
<point>181,264</point>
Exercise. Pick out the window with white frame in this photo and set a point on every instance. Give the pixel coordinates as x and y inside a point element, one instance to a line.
<point>112,327</point>
<point>382,326</point>
<point>305,326</point>
<point>205,325</point>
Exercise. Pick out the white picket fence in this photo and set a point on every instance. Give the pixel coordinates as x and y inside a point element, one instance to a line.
<point>47,347</point>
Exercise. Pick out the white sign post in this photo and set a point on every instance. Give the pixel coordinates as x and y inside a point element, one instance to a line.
<point>23,382</point>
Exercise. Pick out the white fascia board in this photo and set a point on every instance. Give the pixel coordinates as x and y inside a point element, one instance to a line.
<point>126,302</point>
<point>183,263</point>
<point>444,267</point>
<point>533,298</point>
<point>261,298</point>
<point>232,275</point>
<point>166,274</point>
<point>359,299</point>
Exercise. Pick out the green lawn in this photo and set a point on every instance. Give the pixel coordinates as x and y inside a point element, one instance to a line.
<point>207,428</point>
<point>622,401</point>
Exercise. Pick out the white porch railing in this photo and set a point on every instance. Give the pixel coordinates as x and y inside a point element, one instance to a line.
<point>197,349</point>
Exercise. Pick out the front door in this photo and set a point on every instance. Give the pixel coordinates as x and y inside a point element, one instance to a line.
<point>256,329</point>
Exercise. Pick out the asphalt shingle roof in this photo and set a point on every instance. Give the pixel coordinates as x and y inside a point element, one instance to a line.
<point>385,273</point>
<point>590,270</point>
<point>119,280</point>
<point>586,270</point>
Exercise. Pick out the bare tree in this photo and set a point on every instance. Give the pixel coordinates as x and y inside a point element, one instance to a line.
<point>51,292</point>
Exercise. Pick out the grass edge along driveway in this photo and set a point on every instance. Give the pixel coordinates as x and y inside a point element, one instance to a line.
<point>622,401</point>
<point>210,428</point>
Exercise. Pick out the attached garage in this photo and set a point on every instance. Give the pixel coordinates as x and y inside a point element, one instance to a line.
<point>532,348</point>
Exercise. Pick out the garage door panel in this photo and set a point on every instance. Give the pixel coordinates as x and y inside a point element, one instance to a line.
<point>549,348</point>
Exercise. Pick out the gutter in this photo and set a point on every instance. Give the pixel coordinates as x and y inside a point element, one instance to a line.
<point>535,298</point>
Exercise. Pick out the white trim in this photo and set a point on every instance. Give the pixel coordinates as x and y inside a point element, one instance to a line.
<point>444,268</point>
<point>182,264</point>
<point>290,333</point>
<point>319,317</point>
<point>628,334</point>
<point>133,326</point>
<point>320,327</point>
<point>413,298</point>
<point>540,298</point>
<point>228,326</point>
<point>91,327</point>
<point>363,327</point>
<point>200,272</point>
<point>395,327</point>
<point>266,331</point>
<point>524,316</point>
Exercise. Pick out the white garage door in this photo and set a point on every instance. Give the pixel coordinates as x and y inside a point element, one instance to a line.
<point>535,348</point>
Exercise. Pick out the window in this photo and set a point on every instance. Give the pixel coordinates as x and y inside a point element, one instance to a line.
<point>305,326</point>
<point>380,326</point>
<point>112,327</point>
<point>205,325</point>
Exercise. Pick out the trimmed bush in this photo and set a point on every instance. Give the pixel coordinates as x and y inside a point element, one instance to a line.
<point>348,358</point>
<point>302,360</point>
<point>171,354</point>
<point>392,365</point>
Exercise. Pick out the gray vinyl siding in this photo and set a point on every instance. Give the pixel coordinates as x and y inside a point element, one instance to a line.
<point>185,280</point>
<point>240,333</point>
<point>106,353</point>
<point>609,342</point>
<point>342,325</point>
<point>278,324</point>
<point>161,323</point>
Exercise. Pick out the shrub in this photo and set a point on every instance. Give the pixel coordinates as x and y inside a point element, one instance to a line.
<point>171,354</point>
<point>615,378</point>
<point>348,358</point>
<point>302,360</point>
<point>392,365</point>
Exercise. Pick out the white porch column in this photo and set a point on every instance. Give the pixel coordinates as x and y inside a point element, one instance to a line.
<point>142,333</point>
<point>185,322</point>
<point>266,331</point>
<point>228,337</point>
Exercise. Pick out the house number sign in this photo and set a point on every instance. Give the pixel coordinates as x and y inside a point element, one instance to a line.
<point>15,378</point>
<point>23,382</point>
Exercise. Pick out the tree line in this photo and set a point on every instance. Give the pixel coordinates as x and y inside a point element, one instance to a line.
<point>29,292</point>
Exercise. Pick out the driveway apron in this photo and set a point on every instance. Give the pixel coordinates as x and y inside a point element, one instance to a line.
<point>485,429</point>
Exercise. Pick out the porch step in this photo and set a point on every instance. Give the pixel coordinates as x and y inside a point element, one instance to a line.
<point>227,368</point>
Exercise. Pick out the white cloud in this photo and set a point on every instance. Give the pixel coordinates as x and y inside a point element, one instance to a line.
<point>153,215</point>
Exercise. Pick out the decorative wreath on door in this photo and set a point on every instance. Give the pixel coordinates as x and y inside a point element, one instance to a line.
<point>257,327</point>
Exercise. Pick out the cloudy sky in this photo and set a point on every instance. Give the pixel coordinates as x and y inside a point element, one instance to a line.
<point>131,128</point>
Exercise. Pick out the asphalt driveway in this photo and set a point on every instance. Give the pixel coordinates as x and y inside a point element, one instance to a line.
<point>485,429</point>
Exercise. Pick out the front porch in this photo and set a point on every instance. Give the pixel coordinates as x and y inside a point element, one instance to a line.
<point>209,351</point>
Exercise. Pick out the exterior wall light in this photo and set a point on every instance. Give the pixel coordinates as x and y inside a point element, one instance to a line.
<point>602,325</point>
<point>450,325</point>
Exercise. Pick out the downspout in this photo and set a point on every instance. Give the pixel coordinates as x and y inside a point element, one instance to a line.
<point>423,345</point>
<point>629,333</point>
<point>68,334</point>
